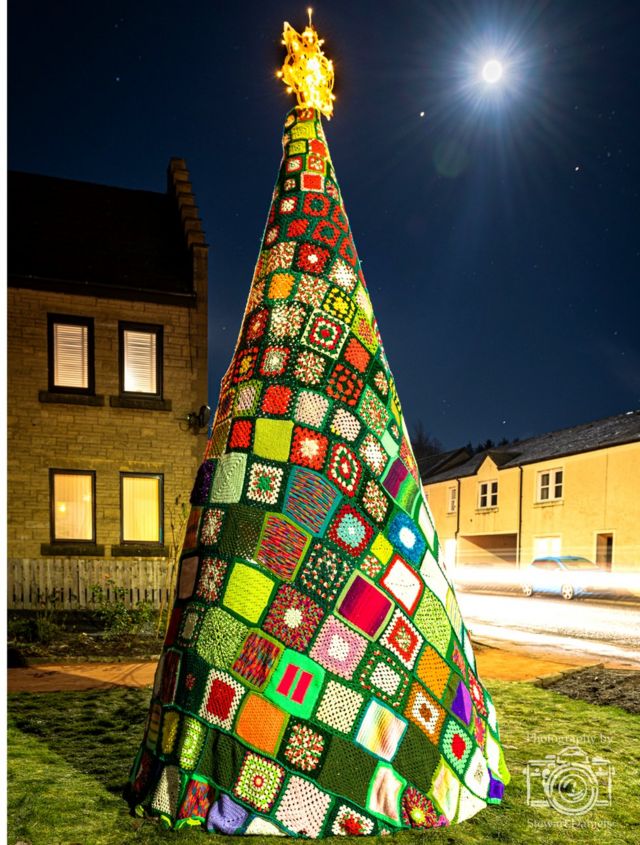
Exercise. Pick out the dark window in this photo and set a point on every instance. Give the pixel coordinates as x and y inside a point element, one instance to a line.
<point>488,494</point>
<point>140,360</point>
<point>141,507</point>
<point>71,354</point>
<point>73,505</point>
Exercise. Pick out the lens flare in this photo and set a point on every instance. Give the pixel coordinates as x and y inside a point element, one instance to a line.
<point>492,71</point>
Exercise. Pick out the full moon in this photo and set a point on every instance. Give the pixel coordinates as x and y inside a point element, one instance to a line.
<point>492,71</point>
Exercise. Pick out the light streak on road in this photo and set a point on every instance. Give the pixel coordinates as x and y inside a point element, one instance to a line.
<point>587,627</point>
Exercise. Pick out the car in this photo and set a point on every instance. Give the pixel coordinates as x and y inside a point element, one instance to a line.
<point>564,575</point>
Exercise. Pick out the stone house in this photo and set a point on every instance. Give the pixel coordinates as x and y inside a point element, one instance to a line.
<point>107,371</point>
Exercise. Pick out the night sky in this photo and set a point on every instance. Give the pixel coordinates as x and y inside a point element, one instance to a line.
<point>498,231</point>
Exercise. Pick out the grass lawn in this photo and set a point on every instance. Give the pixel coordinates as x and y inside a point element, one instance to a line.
<point>69,756</point>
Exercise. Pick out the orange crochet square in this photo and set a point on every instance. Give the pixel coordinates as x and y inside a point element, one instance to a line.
<point>240,437</point>
<point>433,671</point>
<point>357,355</point>
<point>276,399</point>
<point>281,285</point>
<point>261,723</point>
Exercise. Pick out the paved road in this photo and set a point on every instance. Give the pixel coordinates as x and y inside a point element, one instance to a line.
<point>595,629</point>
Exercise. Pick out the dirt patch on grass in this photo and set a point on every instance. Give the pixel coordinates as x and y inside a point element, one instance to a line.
<point>615,687</point>
<point>69,646</point>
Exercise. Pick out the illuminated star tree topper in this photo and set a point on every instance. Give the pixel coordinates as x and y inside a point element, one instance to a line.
<point>306,71</point>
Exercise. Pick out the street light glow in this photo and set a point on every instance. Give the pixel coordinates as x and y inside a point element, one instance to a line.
<point>492,71</point>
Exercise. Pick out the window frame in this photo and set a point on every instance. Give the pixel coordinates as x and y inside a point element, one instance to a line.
<point>147,328</point>
<point>146,543</point>
<point>71,320</point>
<point>490,493</point>
<point>53,471</point>
<point>551,485</point>
<point>452,499</point>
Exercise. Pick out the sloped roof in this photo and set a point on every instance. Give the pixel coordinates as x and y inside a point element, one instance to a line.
<point>438,462</point>
<point>80,237</point>
<point>611,431</point>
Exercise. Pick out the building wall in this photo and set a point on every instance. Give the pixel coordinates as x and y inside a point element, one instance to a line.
<point>105,439</point>
<point>600,495</point>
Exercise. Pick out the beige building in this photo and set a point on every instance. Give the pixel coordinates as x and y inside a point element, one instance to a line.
<point>569,492</point>
<point>107,358</point>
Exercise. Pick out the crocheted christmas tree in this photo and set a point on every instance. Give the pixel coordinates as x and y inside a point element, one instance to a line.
<point>317,677</point>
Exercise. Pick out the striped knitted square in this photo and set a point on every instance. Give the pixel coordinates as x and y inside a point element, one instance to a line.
<point>196,800</point>
<point>282,545</point>
<point>256,659</point>
<point>310,499</point>
<point>385,793</point>
<point>381,730</point>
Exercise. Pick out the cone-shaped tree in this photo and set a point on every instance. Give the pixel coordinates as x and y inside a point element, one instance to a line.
<point>317,677</point>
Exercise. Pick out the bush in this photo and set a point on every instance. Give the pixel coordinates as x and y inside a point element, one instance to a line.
<point>21,629</point>
<point>119,620</point>
<point>40,627</point>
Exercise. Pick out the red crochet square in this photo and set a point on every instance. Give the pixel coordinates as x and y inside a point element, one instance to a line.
<point>317,205</point>
<point>312,258</point>
<point>220,699</point>
<point>317,147</point>
<point>357,355</point>
<point>327,233</point>
<point>297,227</point>
<point>311,182</point>
<point>345,385</point>
<point>256,324</point>
<point>240,437</point>
<point>348,251</point>
<point>309,448</point>
<point>315,163</point>
<point>276,399</point>
<point>245,364</point>
<point>340,218</point>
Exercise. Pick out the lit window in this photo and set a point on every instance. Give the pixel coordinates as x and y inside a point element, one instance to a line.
<point>141,507</point>
<point>488,494</point>
<point>550,484</point>
<point>70,353</point>
<point>453,500</point>
<point>72,506</point>
<point>141,359</point>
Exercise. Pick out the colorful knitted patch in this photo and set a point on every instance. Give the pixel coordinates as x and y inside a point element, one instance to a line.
<point>317,678</point>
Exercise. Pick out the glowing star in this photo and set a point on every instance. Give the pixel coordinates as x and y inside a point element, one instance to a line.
<point>492,71</point>
<point>306,71</point>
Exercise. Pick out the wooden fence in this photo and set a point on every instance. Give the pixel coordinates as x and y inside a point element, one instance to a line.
<point>70,582</point>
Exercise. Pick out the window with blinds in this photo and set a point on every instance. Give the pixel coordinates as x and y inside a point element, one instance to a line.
<point>140,357</point>
<point>70,353</point>
<point>452,500</point>
<point>141,508</point>
<point>72,506</point>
